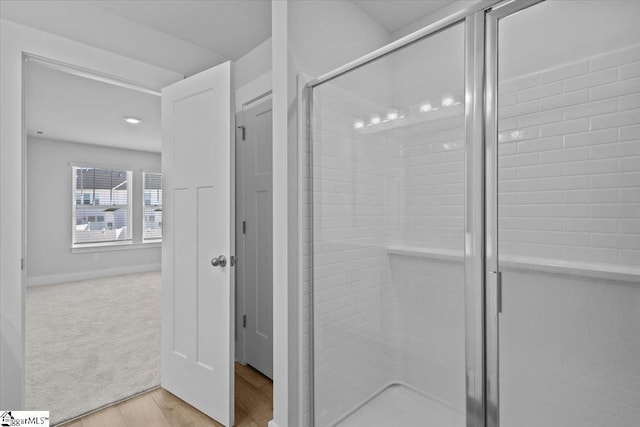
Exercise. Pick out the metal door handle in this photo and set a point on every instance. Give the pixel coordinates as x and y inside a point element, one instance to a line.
<point>220,261</point>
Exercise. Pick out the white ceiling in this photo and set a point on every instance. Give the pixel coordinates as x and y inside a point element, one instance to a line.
<point>395,15</point>
<point>230,28</point>
<point>185,36</point>
<point>182,36</point>
<point>77,109</point>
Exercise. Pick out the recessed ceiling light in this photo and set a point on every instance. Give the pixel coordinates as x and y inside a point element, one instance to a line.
<point>132,120</point>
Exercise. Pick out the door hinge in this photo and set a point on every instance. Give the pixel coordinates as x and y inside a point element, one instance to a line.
<point>243,131</point>
<point>244,320</point>
<point>244,227</point>
<point>21,263</point>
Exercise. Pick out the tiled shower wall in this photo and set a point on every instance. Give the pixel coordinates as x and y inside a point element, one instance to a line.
<point>569,179</point>
<point>352,350</point>
<point>569,190</point>
<point>428,289</point>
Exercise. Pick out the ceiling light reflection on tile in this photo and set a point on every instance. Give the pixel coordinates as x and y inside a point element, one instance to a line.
<point>132,120</point>
<point>425,107</point>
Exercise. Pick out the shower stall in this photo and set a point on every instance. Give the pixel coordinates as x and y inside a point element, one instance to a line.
<point>474,223</point>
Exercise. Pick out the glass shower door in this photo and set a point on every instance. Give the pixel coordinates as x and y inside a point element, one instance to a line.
<point>388,190</point>
<point>568,222</point>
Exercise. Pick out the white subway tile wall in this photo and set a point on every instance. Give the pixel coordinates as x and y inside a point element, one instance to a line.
<point>569,190</point>
<point>379,318</point>
<point>352,352</point>
<point>572,161</point>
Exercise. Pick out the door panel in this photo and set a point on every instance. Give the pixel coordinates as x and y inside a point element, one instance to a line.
<point>568,215</point>
<point>389,234</point>
<point>197,298</point>
<point>259,239</point>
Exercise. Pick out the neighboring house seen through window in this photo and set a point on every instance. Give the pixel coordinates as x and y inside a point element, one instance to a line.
<point>102,208</point>
<point>152,199</point>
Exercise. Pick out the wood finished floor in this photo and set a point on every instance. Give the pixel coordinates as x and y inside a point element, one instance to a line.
<point>159,408</point>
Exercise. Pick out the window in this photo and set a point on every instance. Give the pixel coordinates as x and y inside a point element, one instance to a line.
<point>102,208</point>
<point>152,205</point>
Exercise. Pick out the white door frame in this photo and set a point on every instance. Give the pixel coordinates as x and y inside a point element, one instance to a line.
<point>18,40</point>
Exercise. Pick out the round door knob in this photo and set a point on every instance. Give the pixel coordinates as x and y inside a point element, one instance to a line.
<point>220,261</point>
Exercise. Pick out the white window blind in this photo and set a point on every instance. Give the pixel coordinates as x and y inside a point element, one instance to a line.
<point>102,205</point>
<point>152,212</point>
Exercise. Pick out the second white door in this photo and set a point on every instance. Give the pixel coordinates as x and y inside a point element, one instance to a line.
<point>258,236</point>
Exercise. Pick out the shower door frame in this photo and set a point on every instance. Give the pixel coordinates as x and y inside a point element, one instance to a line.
<point>481,283</point>
<point>492,270</point>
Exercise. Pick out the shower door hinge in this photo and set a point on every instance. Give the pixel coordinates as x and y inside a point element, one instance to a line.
<point>244,320</point>
<point>495,295</point>
<point>243,131</point>
<point>499,292</point>
<point>244,227</point>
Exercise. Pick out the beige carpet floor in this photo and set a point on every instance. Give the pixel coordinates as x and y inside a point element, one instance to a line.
<point>91,343</point>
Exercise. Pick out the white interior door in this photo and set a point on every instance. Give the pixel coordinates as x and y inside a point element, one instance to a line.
<point>258,263</point>
<point>197,297</point>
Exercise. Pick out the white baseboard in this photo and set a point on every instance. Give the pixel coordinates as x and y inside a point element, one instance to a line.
<point>93,274</point>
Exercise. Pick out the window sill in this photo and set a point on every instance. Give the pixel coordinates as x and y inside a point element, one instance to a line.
<point>113,246</point>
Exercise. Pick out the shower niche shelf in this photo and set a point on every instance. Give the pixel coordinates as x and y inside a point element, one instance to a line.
<point>429,253</point>
<point>522,263</point>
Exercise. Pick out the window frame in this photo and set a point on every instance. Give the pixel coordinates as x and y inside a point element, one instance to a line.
<point>129,206</point>
<point>146,240</point>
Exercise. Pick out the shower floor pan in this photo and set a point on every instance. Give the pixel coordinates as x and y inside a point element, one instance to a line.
<point>400,404</point>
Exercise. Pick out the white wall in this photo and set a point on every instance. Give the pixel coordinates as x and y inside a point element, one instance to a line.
<point>254,64</point>
<point>428,70</point>
<point>50,258</point>
<point>423,21</point>
<point>14,40</point>
<point>327,34</point>
<point>309,37</point>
